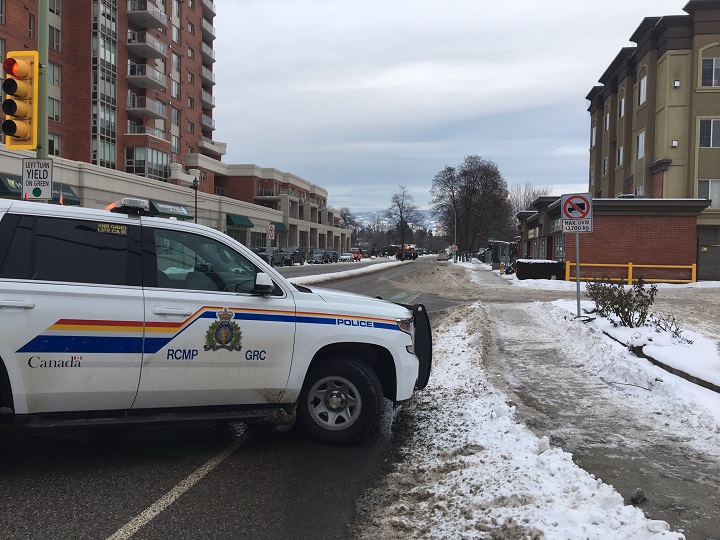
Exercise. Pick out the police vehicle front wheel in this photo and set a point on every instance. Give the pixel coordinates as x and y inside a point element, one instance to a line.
<point>341,402</point>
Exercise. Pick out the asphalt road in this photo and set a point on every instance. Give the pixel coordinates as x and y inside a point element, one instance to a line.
<point>190,480</point>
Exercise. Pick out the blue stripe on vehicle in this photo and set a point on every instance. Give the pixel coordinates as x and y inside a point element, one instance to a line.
<point>84,344</point>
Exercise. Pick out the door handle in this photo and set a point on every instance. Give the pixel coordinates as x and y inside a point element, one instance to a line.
<point>171,311</point>
<point>16,304</point>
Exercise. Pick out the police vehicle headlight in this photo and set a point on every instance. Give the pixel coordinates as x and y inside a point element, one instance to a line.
<point>406,325</point>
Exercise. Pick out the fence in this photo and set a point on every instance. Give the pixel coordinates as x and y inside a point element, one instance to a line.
<point>630,268</point>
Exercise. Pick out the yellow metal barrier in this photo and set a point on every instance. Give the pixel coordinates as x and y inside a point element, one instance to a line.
<point>630,267</point>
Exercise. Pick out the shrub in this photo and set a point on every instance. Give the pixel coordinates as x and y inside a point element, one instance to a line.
<point>631,305</point>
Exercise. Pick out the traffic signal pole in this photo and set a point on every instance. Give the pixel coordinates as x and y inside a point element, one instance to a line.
<point>43,40</point>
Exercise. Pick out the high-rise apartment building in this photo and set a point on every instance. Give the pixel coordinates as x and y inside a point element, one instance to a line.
<point>130,82</point>
<point>130,88</point>
<point>655,120</point>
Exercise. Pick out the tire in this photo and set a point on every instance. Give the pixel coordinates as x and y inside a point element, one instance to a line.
<point>341,402</point>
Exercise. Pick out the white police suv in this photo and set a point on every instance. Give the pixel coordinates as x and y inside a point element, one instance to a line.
<point>115,317</point>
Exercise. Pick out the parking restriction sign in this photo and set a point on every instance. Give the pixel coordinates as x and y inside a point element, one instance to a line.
<point>577,213</point>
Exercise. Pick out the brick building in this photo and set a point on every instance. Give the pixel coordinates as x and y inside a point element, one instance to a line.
<point>130,89</point>
<point>655,120</point>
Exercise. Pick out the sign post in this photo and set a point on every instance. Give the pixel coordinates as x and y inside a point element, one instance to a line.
<point>577,218</point>
<point>271,234</point>
<point>37,179</point>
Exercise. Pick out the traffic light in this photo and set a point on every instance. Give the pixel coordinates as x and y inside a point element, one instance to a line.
<point>21,99</point>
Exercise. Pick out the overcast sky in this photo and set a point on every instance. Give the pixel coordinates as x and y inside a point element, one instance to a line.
<point>362,97</point>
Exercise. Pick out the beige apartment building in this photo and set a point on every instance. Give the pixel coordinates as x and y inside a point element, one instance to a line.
<point>655,120</point>
<point>130,91</point>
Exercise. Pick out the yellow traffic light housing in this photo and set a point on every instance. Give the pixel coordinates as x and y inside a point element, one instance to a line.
<point>21,99</point>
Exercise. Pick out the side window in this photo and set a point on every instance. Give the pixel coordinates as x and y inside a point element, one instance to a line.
<point>69,250</point>
<point>191,261</point>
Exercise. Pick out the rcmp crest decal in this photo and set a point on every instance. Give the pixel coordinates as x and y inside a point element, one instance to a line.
<point>224,333</point>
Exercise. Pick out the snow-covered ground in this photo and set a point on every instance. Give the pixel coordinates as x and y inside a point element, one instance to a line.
<point>472,470</point>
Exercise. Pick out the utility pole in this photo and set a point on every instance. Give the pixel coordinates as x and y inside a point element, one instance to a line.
<point>43,40</point>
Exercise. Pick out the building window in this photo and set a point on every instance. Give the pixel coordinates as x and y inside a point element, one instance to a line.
<point>559,243</point>
<point>606,121</point>
<point>710,133</point>
<point>53,144</point>
<point>2,17</point>
<point>175,144</point>
<point>191,53</point>
<point>54,74</point>
<point>621,107</point>
<point>147,162</point>
<point>620,155</point>
<point>175,90</point>
<point>176,34</point>
<point>711,72</point>
<point>175,117</point>
<point>31,25</point>
<point>593,135</point>
<point>592,175</point>
<point>191,4</point>
<point>604,165</point>
<point>191,28</point>
<point>642,90</point>
<point>191,77</point>
<point>55,6</point>
<point>176,8</point>
<point>191,127</point>
<point>176,62</point>
<point>54,39</point>
<point>710,189</point>
<point>191,103</point>
<point>3,47</point>
<point>53,109</point>
<point>640,145</point>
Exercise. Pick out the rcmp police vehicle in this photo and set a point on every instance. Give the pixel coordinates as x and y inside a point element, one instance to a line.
<point>116,317</point>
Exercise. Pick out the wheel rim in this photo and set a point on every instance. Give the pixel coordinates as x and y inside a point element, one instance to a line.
<point>334,403</point>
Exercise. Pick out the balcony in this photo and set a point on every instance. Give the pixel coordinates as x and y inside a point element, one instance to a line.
<point>213,148</point>
<point>207,99</point>
<point>208,53</point>
<point>208,9</point>
<point>143,14</point>
<point>207,121</point>
<point>147,130</point>
<point>144,76</point>
<point>147,107</point>
<point>208,30</point>
<point>145,45</point>
<point>207,76</point>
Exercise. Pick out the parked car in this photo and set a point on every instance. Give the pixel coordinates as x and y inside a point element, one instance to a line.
<point>272,256</point>
<point>333,256</point>
<point>293,256</point>
<point>318,256</point>
<point>346,257</point>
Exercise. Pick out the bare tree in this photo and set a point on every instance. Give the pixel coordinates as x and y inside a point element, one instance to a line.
<point>349,221</point>
<point>521,197</point>
<point>472,202</point>
<point>405,215</point>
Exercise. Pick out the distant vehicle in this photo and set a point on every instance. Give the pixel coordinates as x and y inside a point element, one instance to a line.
<point>333,256</point>
<point>346,257</point>
<point>272,256</point>
<point>292,256</point>
<point>443,255</point>
<point>318,256</point>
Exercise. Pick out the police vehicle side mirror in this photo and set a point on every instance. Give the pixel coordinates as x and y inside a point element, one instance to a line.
<point>263,284</point>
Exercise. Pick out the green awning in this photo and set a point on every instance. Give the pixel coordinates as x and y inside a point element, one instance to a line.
<point>69,196</point>
<point>238,221</point>
<point>279,227</point>
<point>11,187</point>
<point>169,210</point>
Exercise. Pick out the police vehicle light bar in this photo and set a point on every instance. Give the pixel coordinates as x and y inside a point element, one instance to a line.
<point>130,206</point>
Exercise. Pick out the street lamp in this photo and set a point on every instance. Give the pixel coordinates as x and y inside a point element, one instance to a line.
<point>195,187</point>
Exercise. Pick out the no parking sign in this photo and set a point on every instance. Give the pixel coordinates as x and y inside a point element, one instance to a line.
<point>577,213</point>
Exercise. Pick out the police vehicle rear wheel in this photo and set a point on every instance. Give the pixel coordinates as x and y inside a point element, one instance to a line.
<point>341,402</point>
